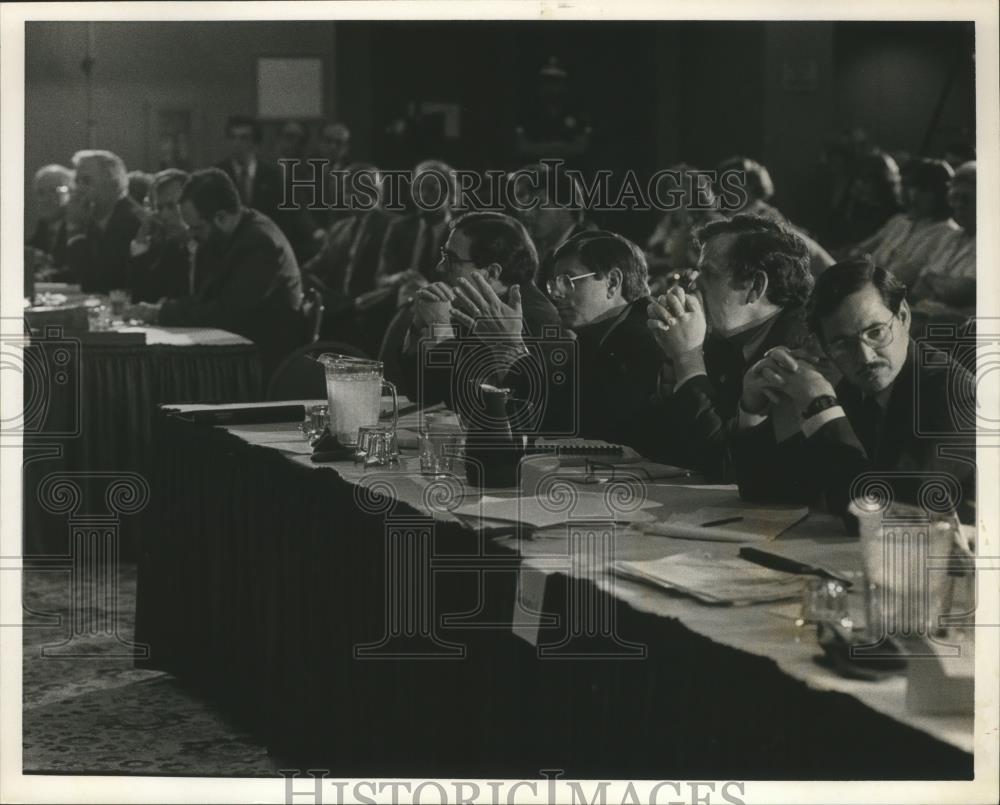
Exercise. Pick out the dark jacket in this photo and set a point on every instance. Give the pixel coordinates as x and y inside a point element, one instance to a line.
<point>251,286</point>
<point>50,237</point>
<point>610,377</point>
<point>692,427</point>
<point>397,249</point>
<point>430,380</point>
<point>99,260</point>
<point>927,428</point>
<point>345,268</point>
<point>164,270</point>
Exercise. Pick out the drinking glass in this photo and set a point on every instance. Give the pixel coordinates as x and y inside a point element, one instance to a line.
<point>824,601</point>
<point>439,443</point>
<point>377,445</point>
<point>120,298</point>
<point>98,317</point>
<point>315,422</point>
<point>354,393</point>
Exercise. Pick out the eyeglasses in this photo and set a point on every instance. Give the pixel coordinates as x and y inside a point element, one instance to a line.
<point>565,283</point>
<point>876,337</point>
<point>449,258</point>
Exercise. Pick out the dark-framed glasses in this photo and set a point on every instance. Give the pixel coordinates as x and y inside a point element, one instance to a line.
<point>877,336</point>
<point>565,283</point>
<point>449,258</point>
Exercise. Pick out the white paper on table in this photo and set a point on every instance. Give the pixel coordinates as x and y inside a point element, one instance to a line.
<point>756,523</point>
<point>530,511</point>
<point>714,579</point>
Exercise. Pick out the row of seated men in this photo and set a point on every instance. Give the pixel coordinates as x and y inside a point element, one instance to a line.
<point>754,373</point>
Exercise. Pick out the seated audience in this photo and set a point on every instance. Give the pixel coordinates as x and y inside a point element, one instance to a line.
<point>346,267</point>
<point>99,257</point>
<point>945,288</point>
<point>673,246</point>
<point>46,248</point>
<point>750,296</point>
<point>333,146</point>
<point>139,183</point>
<point>550,205</point>
<point>412,247</point>
<point>162,252</point>
<point>483,250</point>
<point>821,435</point>
<point>902,244</point>
<point>759,189</point>
<point>872,198</point>
<point>249,279</point>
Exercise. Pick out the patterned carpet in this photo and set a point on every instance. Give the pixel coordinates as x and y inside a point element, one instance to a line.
<point>98,714</point>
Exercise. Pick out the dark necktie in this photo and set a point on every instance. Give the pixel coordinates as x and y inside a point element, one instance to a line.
<point>428,251</point>
<point>869,425</point>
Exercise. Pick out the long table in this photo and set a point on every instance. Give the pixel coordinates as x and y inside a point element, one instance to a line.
<point>356,623</point>
<point>91,399</point>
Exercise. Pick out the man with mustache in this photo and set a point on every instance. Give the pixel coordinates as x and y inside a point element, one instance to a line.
<point>897,404</point>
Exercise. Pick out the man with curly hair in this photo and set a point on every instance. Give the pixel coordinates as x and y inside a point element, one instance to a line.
<point>748,296</point>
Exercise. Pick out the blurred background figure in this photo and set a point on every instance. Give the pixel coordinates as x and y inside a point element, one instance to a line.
<point>550,128</point>
<point>162,251</point>
<point>873,197</point>
<point>45,250</point>
<point>333,146</point>
<point>903,243</point>
<point>139,183</point>
<point>673,247</point>
<point>945,289</point>
<point>759,189</point>
<point>98,254</point>
<point>549,202</point>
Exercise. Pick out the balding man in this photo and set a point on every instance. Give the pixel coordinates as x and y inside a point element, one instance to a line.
<point>99,258</point>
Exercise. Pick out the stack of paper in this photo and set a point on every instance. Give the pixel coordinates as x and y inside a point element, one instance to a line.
<point>531,511</point>
<point>734,523</point>
<point>714,580</point>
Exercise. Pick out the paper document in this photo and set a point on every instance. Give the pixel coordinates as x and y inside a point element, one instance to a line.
<point>531,511</point>
<point>714,580</point>
<point>738,523</point>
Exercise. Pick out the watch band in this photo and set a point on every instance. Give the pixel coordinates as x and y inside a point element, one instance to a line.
<point>819,404</point>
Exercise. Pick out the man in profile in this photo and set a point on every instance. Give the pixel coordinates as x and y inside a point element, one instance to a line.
<point>749,296</point>
<point>249,279</point>
<point>162,252</point>
<point>493,254</point>
<point>897,404</point>
<point>98,257</point>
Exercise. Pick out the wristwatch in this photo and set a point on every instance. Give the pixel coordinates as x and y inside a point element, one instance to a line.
<point>819,404</point>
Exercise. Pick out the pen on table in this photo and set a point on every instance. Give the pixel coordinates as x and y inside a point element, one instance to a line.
<point>724,521</point>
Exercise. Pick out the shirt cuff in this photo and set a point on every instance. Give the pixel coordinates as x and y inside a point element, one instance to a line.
<point>137,248</point>
<point>745,420</point>
<point>817,421</point>
<point>688,369</point>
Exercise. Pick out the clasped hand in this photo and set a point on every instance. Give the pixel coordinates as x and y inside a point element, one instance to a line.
<point>784,374</point>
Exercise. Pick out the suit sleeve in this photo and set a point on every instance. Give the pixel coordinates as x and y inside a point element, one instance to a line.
<point>254,278</point>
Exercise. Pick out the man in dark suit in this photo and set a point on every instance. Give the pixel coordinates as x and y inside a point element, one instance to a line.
<point>752,283</point>
<point>600,289</point>
<point>345,269</point>
<point>483,250</point>
<point>412,247</point>
<point>99,258</point>
<point>162,253</point>
<point>250,282</point>
<point>902,410</point>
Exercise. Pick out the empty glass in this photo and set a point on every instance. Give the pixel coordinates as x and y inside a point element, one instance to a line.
<point>376,446</point>
<point>120,298</point>
<point>314,423</point>
<point>824,601</point>
<point>439,443</point>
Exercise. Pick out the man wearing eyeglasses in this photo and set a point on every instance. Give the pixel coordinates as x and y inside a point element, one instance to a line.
<point>749,296</point>
<point>489,262</point>
<point>896,404</point>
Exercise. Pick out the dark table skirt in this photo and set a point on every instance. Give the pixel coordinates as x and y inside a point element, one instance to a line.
<point>263,576</point>
<point>93,408</point>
